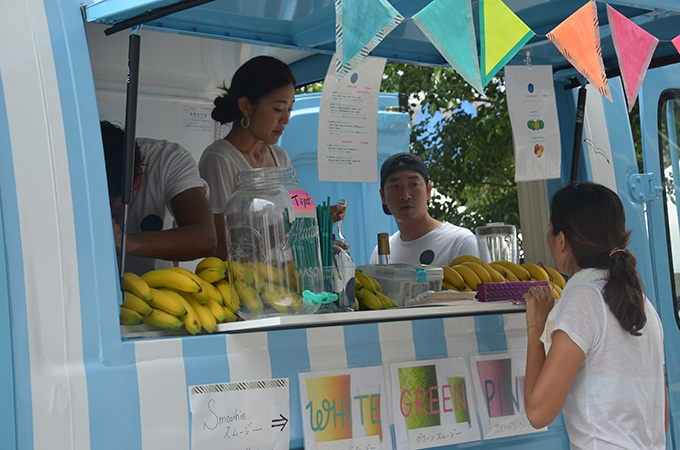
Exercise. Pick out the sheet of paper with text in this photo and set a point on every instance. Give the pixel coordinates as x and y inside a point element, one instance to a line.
<point>348,123</point>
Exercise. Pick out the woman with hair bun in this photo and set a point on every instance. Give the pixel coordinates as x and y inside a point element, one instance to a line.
<point>258,104</point>
<point>597,353</point>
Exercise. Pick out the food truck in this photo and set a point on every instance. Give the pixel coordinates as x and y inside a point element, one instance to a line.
<point>72,378</point>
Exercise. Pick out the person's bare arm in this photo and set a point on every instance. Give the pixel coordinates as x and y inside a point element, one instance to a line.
<point>547,379</point>
<point>193,238</point>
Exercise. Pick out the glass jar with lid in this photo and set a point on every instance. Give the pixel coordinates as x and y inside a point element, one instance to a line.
<point>272,243</point>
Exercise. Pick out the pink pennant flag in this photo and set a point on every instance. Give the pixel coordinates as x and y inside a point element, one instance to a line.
<point>634,50</point>
<point>676,42</point>
<point>578,39</point>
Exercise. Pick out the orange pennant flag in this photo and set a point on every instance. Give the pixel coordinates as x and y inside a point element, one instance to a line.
<point>634,50</point>
<point>578,39</point>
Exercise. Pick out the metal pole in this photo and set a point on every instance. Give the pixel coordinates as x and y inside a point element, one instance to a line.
<point>578,134</point>
<point>129,147</point>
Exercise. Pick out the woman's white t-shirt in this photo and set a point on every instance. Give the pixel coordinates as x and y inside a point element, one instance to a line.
<point>219,165</point>
<point>618,397</point>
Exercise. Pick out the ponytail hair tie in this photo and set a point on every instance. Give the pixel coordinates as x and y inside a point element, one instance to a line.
<point>616,250</point>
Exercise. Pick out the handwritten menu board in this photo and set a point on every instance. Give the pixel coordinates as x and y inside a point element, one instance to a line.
<point>499,384</point>
<point>248,414</point>
<point>433,403</point>
<point>345,409</point>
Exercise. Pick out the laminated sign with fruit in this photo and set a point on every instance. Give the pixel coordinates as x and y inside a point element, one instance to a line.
<point>465,272</point>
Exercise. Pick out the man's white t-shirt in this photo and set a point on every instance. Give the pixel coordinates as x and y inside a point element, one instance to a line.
<point>169,169</point>
<point>618,397</point>
<point>436,248</point>
<point>219,165</point>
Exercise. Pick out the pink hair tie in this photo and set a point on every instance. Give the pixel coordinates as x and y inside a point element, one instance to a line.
<point>616,250</point>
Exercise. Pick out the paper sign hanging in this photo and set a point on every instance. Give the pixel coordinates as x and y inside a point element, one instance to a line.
<point>360,25</point>
<point>449,27</point>
<point>634,50</point>
<point>676,43</point>
<point>533,117</point>
<point>433,403</point>
<point>578,39</point>
<point>247,414</point>
<point>499,385</point>
<point>348,124</point>
<point>502,34</point>
<point>345,408</point>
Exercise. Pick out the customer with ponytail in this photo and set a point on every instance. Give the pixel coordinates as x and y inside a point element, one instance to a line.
<point>257,104</point>
<point>597,353</point>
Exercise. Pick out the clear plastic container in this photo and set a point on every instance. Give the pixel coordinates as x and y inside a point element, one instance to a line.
<point>497,241</point>
<point>404,282</point>
<point>266,231</point>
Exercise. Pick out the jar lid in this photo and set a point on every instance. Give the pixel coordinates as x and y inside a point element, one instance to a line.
<point>496,228</point>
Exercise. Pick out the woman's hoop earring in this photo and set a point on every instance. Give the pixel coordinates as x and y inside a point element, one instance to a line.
<point>245,122</point>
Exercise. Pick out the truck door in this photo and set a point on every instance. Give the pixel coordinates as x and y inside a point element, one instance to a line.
<point>660,127</point>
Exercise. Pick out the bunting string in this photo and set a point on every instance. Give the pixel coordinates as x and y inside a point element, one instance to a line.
<point>362,24</point>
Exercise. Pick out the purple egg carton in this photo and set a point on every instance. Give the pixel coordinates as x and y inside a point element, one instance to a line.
<point>505,291</point>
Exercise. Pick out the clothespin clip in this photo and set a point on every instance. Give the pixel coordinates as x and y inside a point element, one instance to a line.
<point>312,299</point>
<point>527,59</point>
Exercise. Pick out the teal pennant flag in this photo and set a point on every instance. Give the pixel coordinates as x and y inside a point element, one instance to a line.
<point>360,25</point>
<point>448,25</point>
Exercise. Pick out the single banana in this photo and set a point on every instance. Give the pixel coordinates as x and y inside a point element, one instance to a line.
<point>134,283</point>
<point>385,300</point>
<point>356,304</point>
<point>520,272</point>
<point>201,296</point>
<point>217,310</point>
<point>272,297</point>
<point>481,272</point>
<point>136,304</point>
<point>211,262</point>
<point>208,321</point>
<point>453,278</point>
<point>213,293</point>
<point>165,301</point>
<point>371,301</point>
<point>270,272</point>
<point>367,282</point>
<point>249,297</point>
<point>446,286</point>
<point>556,291</point>
<point>536,272</point>
<point>229,295</point>
<point>495,277</point>
<point>470,276</point>
<point>191,321</point>
<point>129,316</point>
<point>168,278</point>
<point>559,279</point>
<point>288,273</point>
<point>357,284</point>
<point>505,272</point>
<point>231,316</point>
<point>212,275</point>
<point>359,293</point>
<point>162,319</point>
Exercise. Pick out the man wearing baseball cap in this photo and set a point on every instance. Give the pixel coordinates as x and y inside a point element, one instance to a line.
<point>405,190</point>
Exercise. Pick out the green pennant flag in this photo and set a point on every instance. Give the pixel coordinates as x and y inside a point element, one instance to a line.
<point>503,34</point>
<point>448,25</point>
<point>360,25</point>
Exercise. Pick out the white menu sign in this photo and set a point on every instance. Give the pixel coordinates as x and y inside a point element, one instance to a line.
<point>247,414</point>
<point>348,123</point>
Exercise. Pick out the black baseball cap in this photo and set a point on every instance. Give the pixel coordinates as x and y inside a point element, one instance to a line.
<point>398,162</point>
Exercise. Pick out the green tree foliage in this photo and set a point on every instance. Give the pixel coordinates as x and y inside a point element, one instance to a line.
<point>470,157</point>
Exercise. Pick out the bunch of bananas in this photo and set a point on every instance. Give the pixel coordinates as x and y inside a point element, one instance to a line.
<point>175,297</point>
<point>368,294</point>
<point>465,272</point>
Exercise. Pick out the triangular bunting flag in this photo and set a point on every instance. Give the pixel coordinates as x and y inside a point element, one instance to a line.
<point>450,29</point>
<point>360,25</point>
<point>503,34</point>
<point>676,42</point>
<point>634,50</point>
<point>578,39</point>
